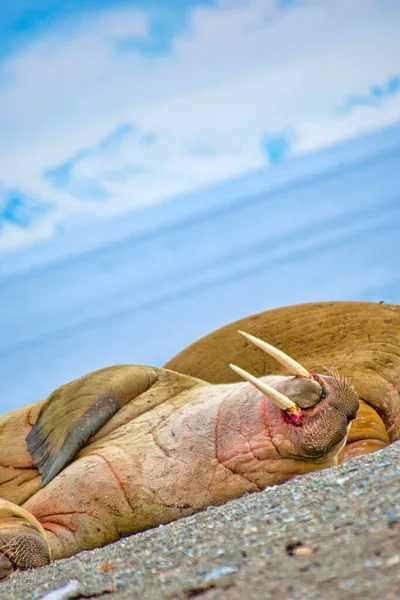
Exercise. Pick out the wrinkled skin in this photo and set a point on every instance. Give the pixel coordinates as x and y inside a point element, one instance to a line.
<point>127,448</point>
<point>359,339</point>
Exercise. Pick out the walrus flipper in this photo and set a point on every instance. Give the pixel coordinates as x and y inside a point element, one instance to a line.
<point>77,411</point>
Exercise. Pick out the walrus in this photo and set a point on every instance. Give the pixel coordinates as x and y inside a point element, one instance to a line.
<point>128,447</point>
<point>359,339</point>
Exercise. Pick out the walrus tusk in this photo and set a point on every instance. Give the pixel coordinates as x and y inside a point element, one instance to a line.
<point>276,397</point>
<point>292,366</point>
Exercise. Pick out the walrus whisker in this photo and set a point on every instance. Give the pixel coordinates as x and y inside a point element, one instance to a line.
<point>292,365</point>
<point>283,402</point>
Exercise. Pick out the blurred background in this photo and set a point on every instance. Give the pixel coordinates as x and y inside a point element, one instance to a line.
<point>169,167</point>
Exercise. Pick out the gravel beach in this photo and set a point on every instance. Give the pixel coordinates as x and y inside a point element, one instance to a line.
<point>332,534</point>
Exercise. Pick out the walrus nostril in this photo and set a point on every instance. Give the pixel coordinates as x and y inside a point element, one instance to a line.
<point>306,393</point>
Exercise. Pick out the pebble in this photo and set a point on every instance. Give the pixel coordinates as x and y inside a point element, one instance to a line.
<point>71,590</point>
<point>394,560</point>
<point>218,573</point>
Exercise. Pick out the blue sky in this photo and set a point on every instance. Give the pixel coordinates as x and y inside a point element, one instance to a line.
<point>140,287</point>
<point>168,167</point>
<point>110,106</point>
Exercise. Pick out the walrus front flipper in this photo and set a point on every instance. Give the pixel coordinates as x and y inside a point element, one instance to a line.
<point>77,411</point>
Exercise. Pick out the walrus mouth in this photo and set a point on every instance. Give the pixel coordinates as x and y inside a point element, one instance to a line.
<point>295,368</point>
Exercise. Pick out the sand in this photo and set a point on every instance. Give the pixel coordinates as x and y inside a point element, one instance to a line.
<point>329,535</point>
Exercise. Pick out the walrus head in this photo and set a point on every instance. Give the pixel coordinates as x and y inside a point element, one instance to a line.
<point>313,412</point>
<point>359,339</point>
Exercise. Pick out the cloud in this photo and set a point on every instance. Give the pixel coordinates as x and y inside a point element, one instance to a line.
<point>376,96</point>
<point>200,88</point>
<point>18,210</point>
<point>312,135</point>
<point>21,217</point>
<point>22,21</point>
<point>277,147</point>
<point>67,175</point>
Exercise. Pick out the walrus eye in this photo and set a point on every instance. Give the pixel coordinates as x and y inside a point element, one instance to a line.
<point>283,402</point>
<point>292,366</point>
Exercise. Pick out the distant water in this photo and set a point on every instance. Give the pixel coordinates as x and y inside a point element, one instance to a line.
<point>141,287</point>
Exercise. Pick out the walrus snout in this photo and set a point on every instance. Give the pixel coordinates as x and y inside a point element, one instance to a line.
<point>324,427</point>
<point>23,542</point>
<point>340,394</point>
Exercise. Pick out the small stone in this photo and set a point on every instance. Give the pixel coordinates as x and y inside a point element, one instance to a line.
<point>105,568</point>
<point>298,549</point>
<point>394,560</point>
<point>302,551</point>
<point>166,575</point>
<point>349,583</point>
<point>368,563</point>
<point>218,573</point>
<point>71,590</point>
<point>392,519</point>
<point>341,480</point>
<point>250,530</point>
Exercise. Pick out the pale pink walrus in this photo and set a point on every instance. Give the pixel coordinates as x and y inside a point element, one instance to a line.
<point>127,448</point>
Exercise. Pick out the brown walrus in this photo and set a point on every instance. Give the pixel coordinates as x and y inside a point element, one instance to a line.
<point>127,448</point>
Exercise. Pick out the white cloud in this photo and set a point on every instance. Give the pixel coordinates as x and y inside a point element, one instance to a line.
<point>236,72</point>
<point>313,135</point>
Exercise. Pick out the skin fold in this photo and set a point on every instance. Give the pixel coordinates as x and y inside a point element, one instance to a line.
<point>127,448</point>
